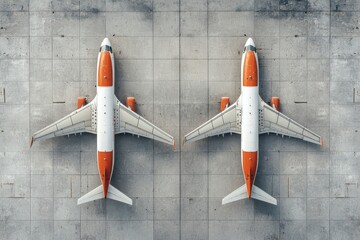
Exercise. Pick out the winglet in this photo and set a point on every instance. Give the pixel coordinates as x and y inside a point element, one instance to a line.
<point>32,141</point>
<point>321,142</point>
<point>174,144</point>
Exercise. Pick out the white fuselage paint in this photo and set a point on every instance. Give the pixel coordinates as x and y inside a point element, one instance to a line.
<point>249,116</point>
<point>105,115</point>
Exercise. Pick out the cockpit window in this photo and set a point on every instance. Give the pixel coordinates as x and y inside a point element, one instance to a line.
<point>105,48</point>
<point>249,47</point>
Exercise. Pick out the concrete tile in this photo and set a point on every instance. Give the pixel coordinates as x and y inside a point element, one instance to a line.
<point>165,5</point>
<point>42,209</point>
<point>293,186</point>
<point>226,47</point>
<point>194,163</point>
<point>344,209</point>
<point>134,185</point>
<point>134,70</point>
<point>166,186</point>
<point>132,47</point>
<point>61,49</point>
<point>93,6</point>
<point>225,163</point>
<point>167,208</point>
<point>131,229</point>
<point>318,47</point>
<point>241,210</point>
<point>40,47</point>
<point>346,230</point>
<point>228,5</point>
<point>92,23</point>
<point>293,47</point>
<point>8,5</point>
<point>318,208</point>
<point>166,24</point>
<point>318,163</point>
<point>192,70</point>
<point>166,47</point>
<point>266,230</point>
<point>14,23</point>
<point>193,48</point>
<point>344,47</point>
<point>67,229</point>
<point>317,229</point>
<point>194,230</point>
<point>193,24</point>
<point>293,229</point>
<point>129,24</point>
<point>293,5</point>
<point>14,209</point>
<point>319,24</point>
<point>40,22</point>
<point>19,165</point>
<point>40,70</point>
<point>344,24</point>
<point>232,24</point>
<point>222,185</point>
<point>242,229</point>
<point>66,209</point>
<point>318,5</point>
<point>42,230</point>
<point>15,186</point>
<point>267,5</point>
<point>264,212</point>
<point>318,185</point>
<point>293,70</point>
<point>166,70</point>
<point>318,92</point>
<point>293,24</point>
<point>67,186</point>
<point>194,186</point>
<point>194,208</point>
<point>189,94</point>
<point>15,229</point>
<point>188,5</point>
<point>292,163</point>
<point>66,162</point>
<point>38,5</point>
<point>166,230</point>
<point>66,24</point>
<point>93,230</point>
<point>166,163</point>
<point>142,209</point>
<point>130,6</point>
<point>14,47</point>
<point>266,24</point>
<point>269,47</point>
<point>318,70</point>
<point>41,185</point>
<point>348,6</point>
<point>293,209</point>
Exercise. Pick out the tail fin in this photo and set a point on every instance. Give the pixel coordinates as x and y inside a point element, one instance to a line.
<point>98,193</point>
<point>256,193</point>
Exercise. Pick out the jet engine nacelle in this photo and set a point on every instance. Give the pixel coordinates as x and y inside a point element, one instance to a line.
<point>130,103</point>
<point>81,102</point>
<point>275,103</point>
<point>224,103</point>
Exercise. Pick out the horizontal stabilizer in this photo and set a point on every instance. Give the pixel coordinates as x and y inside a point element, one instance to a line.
<point>95,194</point>
<point>116,195</point>
<point>259,194</point>
<point>236,195</point>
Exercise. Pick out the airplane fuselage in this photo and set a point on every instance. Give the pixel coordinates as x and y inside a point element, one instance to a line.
<point>105,115</point>
<point>249,116</point>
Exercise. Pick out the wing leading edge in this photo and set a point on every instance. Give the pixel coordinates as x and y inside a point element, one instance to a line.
<point>275,122</point>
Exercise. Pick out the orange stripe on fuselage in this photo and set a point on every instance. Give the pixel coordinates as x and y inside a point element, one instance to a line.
<point>105,162</point>
<point>250,74</point>
<point>105,78</point>
<point>250,161</point>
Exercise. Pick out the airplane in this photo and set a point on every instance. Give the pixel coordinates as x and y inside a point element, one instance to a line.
<point>104,116</point>
<point>250,116</point>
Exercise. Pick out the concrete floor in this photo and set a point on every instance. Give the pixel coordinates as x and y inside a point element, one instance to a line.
<point>178,57</point>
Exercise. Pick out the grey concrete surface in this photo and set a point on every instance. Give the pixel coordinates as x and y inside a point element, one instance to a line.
<point>177,58</point>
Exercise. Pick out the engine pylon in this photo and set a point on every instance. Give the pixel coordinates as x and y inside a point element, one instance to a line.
<point>81,102</point>
<point>275,103</point>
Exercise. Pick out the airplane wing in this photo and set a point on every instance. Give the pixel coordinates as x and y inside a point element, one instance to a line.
<point>81,120</point>
<point>227,121</point>
<point>127,121</point>
<point>272,121</point>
